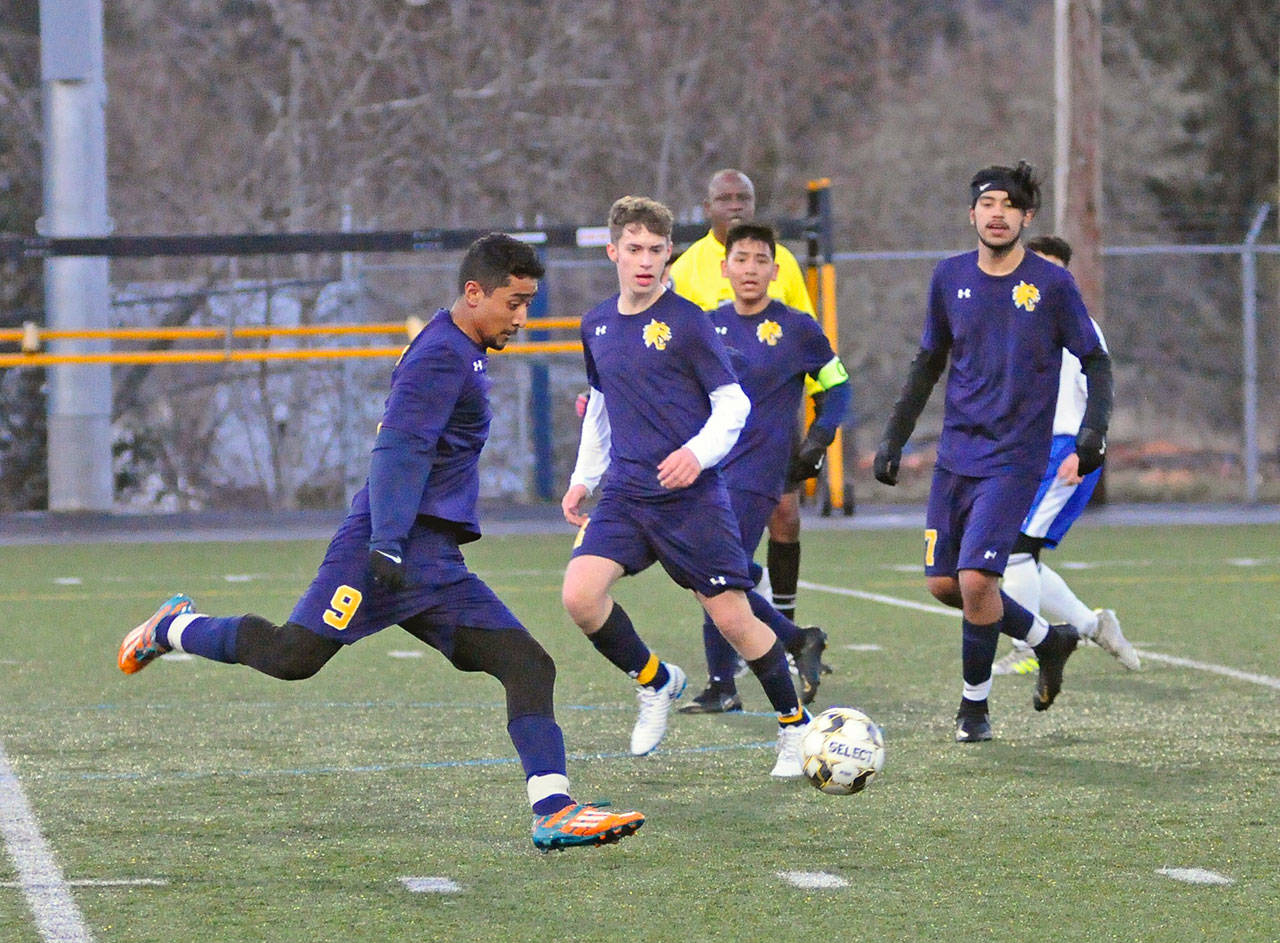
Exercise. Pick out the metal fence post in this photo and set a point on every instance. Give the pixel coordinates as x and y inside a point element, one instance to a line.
<point>1249,330</point>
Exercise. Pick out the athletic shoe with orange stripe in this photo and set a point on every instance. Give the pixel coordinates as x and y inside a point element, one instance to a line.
<point>583,824</point>
<point>140,647</point>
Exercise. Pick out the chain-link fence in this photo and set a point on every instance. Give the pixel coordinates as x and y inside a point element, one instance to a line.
<point>297,434</point>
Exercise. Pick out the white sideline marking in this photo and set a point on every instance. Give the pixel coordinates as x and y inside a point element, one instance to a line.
<point>1264,680</point>
<point>813,880</point>
<point>100,882</point>
<point>401,653</point>
<point>432,885</point>
<point>877,597</point>
<point>1195,875</point>
<point>67,581</point>
<point>868,647</point>
<point>177,656</point>
<point>239,578</point>
<point>57,917</point>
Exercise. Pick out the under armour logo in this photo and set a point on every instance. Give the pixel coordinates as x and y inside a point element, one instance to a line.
<point>990,555</point>
<point>717,581</point>
<point>602,329</point>
<point>722,330</point>
<point>963,293</point>
<point>477,366</point>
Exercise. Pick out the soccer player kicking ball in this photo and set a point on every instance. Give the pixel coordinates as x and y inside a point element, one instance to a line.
<point>1002,316</point>
<point>773,349</point>
<point>396,557</point>
<point>665,409</point>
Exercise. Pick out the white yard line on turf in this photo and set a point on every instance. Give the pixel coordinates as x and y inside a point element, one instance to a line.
<point>1264,680</point>
<point>878,597</point>
<point>103,882</point>
<point>57,917</point>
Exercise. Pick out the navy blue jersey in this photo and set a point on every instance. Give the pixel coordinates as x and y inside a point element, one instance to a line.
<point>771,352</point>
<point>1005,335</point>
<point>656,370</point>
<point>440,396</point>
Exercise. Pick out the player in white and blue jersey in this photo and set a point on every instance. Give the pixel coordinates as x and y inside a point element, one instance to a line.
<point>773,349</point>
<point>1059,502</point>
<point>396,558</point>
<point>1000,316</point>
<point>665,408</point>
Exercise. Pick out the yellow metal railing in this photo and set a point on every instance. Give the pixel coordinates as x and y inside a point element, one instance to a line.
<point>31,339</point>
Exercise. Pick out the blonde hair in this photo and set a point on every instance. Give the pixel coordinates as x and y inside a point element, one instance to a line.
<point>640,211</point>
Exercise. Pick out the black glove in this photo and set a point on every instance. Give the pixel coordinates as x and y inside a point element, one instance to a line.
<point>1091,447</point>
<point>810,455</point>
<point>888,458</point>
<point>388,570</point>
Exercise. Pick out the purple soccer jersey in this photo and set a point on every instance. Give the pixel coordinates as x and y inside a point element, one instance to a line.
<point>1005,335</point>
<point>440,396</point>
<point>771,353</point>
<point>656,370</point>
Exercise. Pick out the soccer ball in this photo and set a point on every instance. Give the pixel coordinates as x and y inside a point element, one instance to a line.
<point>843,750</point>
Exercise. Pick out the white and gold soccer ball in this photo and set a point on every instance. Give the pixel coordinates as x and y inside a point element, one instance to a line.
<point>843,751</point>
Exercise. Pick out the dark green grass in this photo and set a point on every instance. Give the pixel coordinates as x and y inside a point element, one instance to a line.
<point>289,811</point>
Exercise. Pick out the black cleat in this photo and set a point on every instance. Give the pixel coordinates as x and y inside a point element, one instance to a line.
<point>808,658</point>
<point>972,723</point>
<point>713,701</point>
<point>1053,653</point>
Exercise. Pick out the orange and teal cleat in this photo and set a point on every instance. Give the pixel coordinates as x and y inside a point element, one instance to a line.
<point>583,824</point>
<point>140,647</point>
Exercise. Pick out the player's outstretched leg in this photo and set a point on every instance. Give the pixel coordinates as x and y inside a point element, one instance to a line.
<point>141,646</point>
<point>1053,653</point>
<point>583,824</point>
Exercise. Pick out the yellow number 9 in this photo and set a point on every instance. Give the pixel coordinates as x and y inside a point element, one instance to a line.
<point>346,600</point>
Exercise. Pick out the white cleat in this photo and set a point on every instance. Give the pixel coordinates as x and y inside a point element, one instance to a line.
<point>790,763</point>
<point>655,708</point>
<point>1020,660</point>
<point>1112,640</point>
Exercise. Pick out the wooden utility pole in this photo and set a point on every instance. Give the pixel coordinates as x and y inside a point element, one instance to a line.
<point>1077,180</point>
<point>1077,165</point>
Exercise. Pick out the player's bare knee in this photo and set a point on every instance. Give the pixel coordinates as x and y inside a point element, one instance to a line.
<point>946,589</point>
<point>587,608</point>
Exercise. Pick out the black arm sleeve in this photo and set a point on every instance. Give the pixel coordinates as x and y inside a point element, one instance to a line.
<point>923,375</point>
<point>1096,368</point>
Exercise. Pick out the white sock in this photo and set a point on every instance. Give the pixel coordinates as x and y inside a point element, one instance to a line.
<point>1038,632</point>
<point>977,692</point>
<point>1061,603</point>
<point>177,626</point>
<point>1022,581</point>
<point>546,784</point>
<point>764,587</point>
